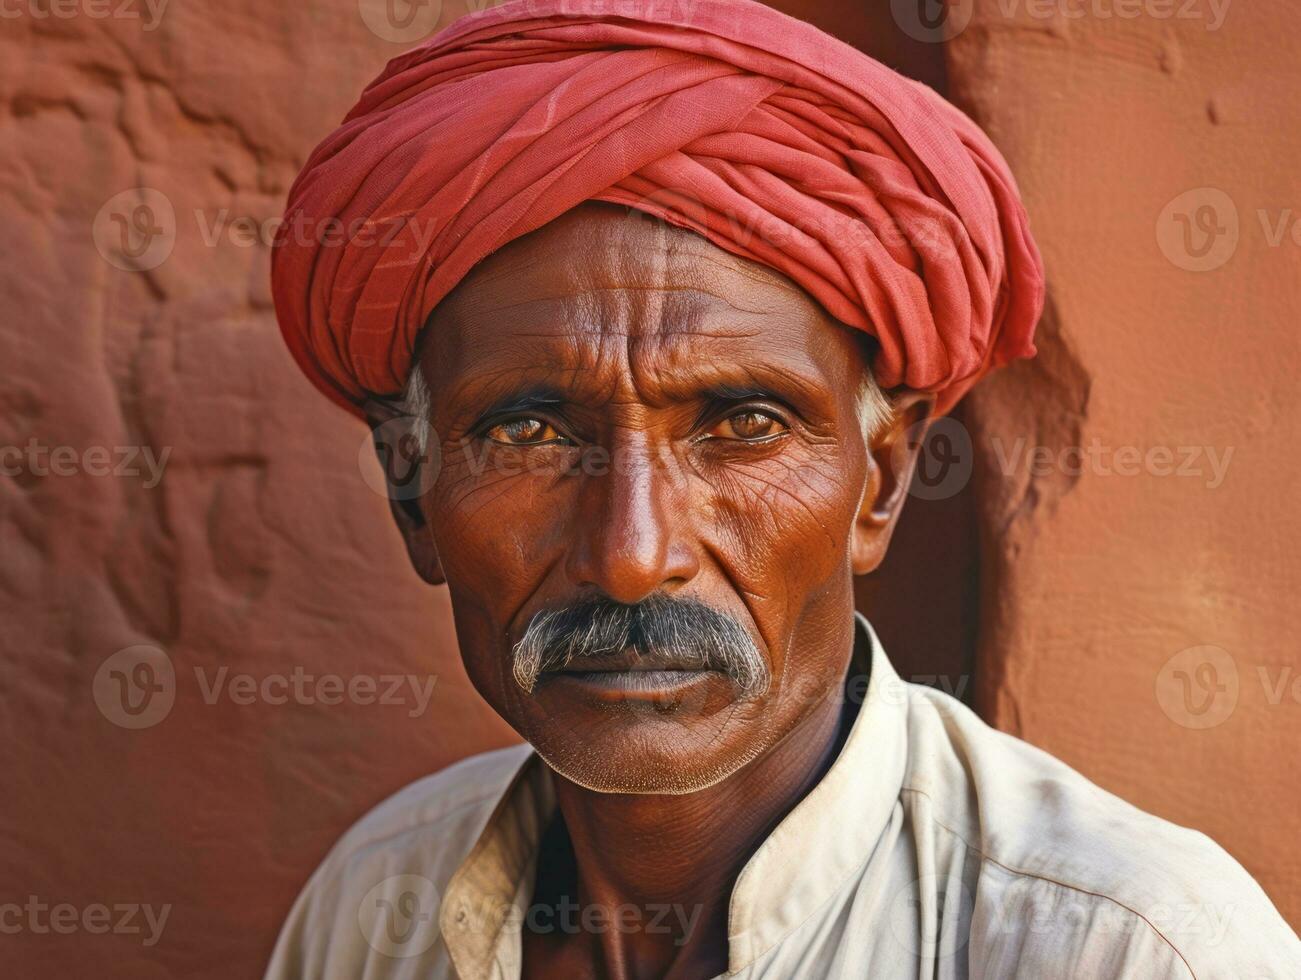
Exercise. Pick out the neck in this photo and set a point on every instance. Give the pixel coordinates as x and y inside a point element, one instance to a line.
<point>678,856</point>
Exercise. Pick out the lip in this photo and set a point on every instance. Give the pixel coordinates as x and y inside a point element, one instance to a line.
<point>630,661</point>
<point>652,684</point>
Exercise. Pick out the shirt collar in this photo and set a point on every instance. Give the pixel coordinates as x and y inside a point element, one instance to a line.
<point>834,829</point>
<point>829,834</point>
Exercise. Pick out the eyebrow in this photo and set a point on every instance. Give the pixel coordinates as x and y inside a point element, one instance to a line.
<point>473,400</point>
<point>535,399</point>
<point>524,401</point>
<point>737,393</point>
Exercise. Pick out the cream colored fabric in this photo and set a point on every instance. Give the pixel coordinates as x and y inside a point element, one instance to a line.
<point>934,846</point>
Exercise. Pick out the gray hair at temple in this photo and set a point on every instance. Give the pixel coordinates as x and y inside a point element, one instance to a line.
<point>416,404</point>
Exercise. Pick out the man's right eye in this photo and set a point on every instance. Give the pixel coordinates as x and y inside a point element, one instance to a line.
<point>525,432</point>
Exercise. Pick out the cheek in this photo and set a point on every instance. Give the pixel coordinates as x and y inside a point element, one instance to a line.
<point>784,522</point>
<point>782,528</point>
<point>495,518</point>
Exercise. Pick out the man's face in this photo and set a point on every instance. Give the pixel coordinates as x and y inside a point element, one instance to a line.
<point>629,416</point>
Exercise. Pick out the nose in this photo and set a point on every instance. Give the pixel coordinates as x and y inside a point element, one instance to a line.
<point>633,527</point>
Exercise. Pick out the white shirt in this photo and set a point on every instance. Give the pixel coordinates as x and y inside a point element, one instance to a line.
<point>934,847</point>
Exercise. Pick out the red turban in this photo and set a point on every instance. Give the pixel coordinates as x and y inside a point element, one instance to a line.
<point>770,138</point>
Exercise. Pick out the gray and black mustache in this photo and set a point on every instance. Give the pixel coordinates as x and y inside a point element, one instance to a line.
<point>684,633</point>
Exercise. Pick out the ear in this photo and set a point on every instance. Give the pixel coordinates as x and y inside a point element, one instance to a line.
<point>892,457</point>
<point>409,474</point>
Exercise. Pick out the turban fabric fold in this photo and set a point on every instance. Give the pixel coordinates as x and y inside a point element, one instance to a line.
<point>770,138</point>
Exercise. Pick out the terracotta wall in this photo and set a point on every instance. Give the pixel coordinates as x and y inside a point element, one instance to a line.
<point>182,517</point>
<point>260,552</point>
<point>1139,603</point>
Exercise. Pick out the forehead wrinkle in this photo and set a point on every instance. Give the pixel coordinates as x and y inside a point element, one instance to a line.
<point>654,353</point>
<point>478,389</point>
<point>721,260</point>
<point>575,357</point>
<point>688,263</point>
<point>661,257</point>
<point>484,310</point>
<point>682,376</point>
<point>624,238</point>
<point>622,305</point>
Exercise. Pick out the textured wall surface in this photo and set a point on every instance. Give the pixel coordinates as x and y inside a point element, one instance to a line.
<point>183,521</point>
<point>1141,572</point>
<point>260,551</point>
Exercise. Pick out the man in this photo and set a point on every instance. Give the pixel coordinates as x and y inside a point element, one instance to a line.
<point>663,298</point>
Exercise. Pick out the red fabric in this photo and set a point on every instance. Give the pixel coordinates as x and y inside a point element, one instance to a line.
<point>772,139</point>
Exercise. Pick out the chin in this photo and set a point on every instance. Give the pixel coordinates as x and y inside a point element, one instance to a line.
<point>636,753</point>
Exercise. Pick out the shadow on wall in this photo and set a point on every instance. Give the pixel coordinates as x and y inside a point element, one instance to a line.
<point>924,599</point>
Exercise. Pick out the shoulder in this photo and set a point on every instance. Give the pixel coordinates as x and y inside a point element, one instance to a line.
<point>458,798</point>
<point>413,841</point>
<point>1070,870</point>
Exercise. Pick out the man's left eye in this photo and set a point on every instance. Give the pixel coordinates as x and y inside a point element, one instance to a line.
<point>524,432</point>
<point>750,425</point>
